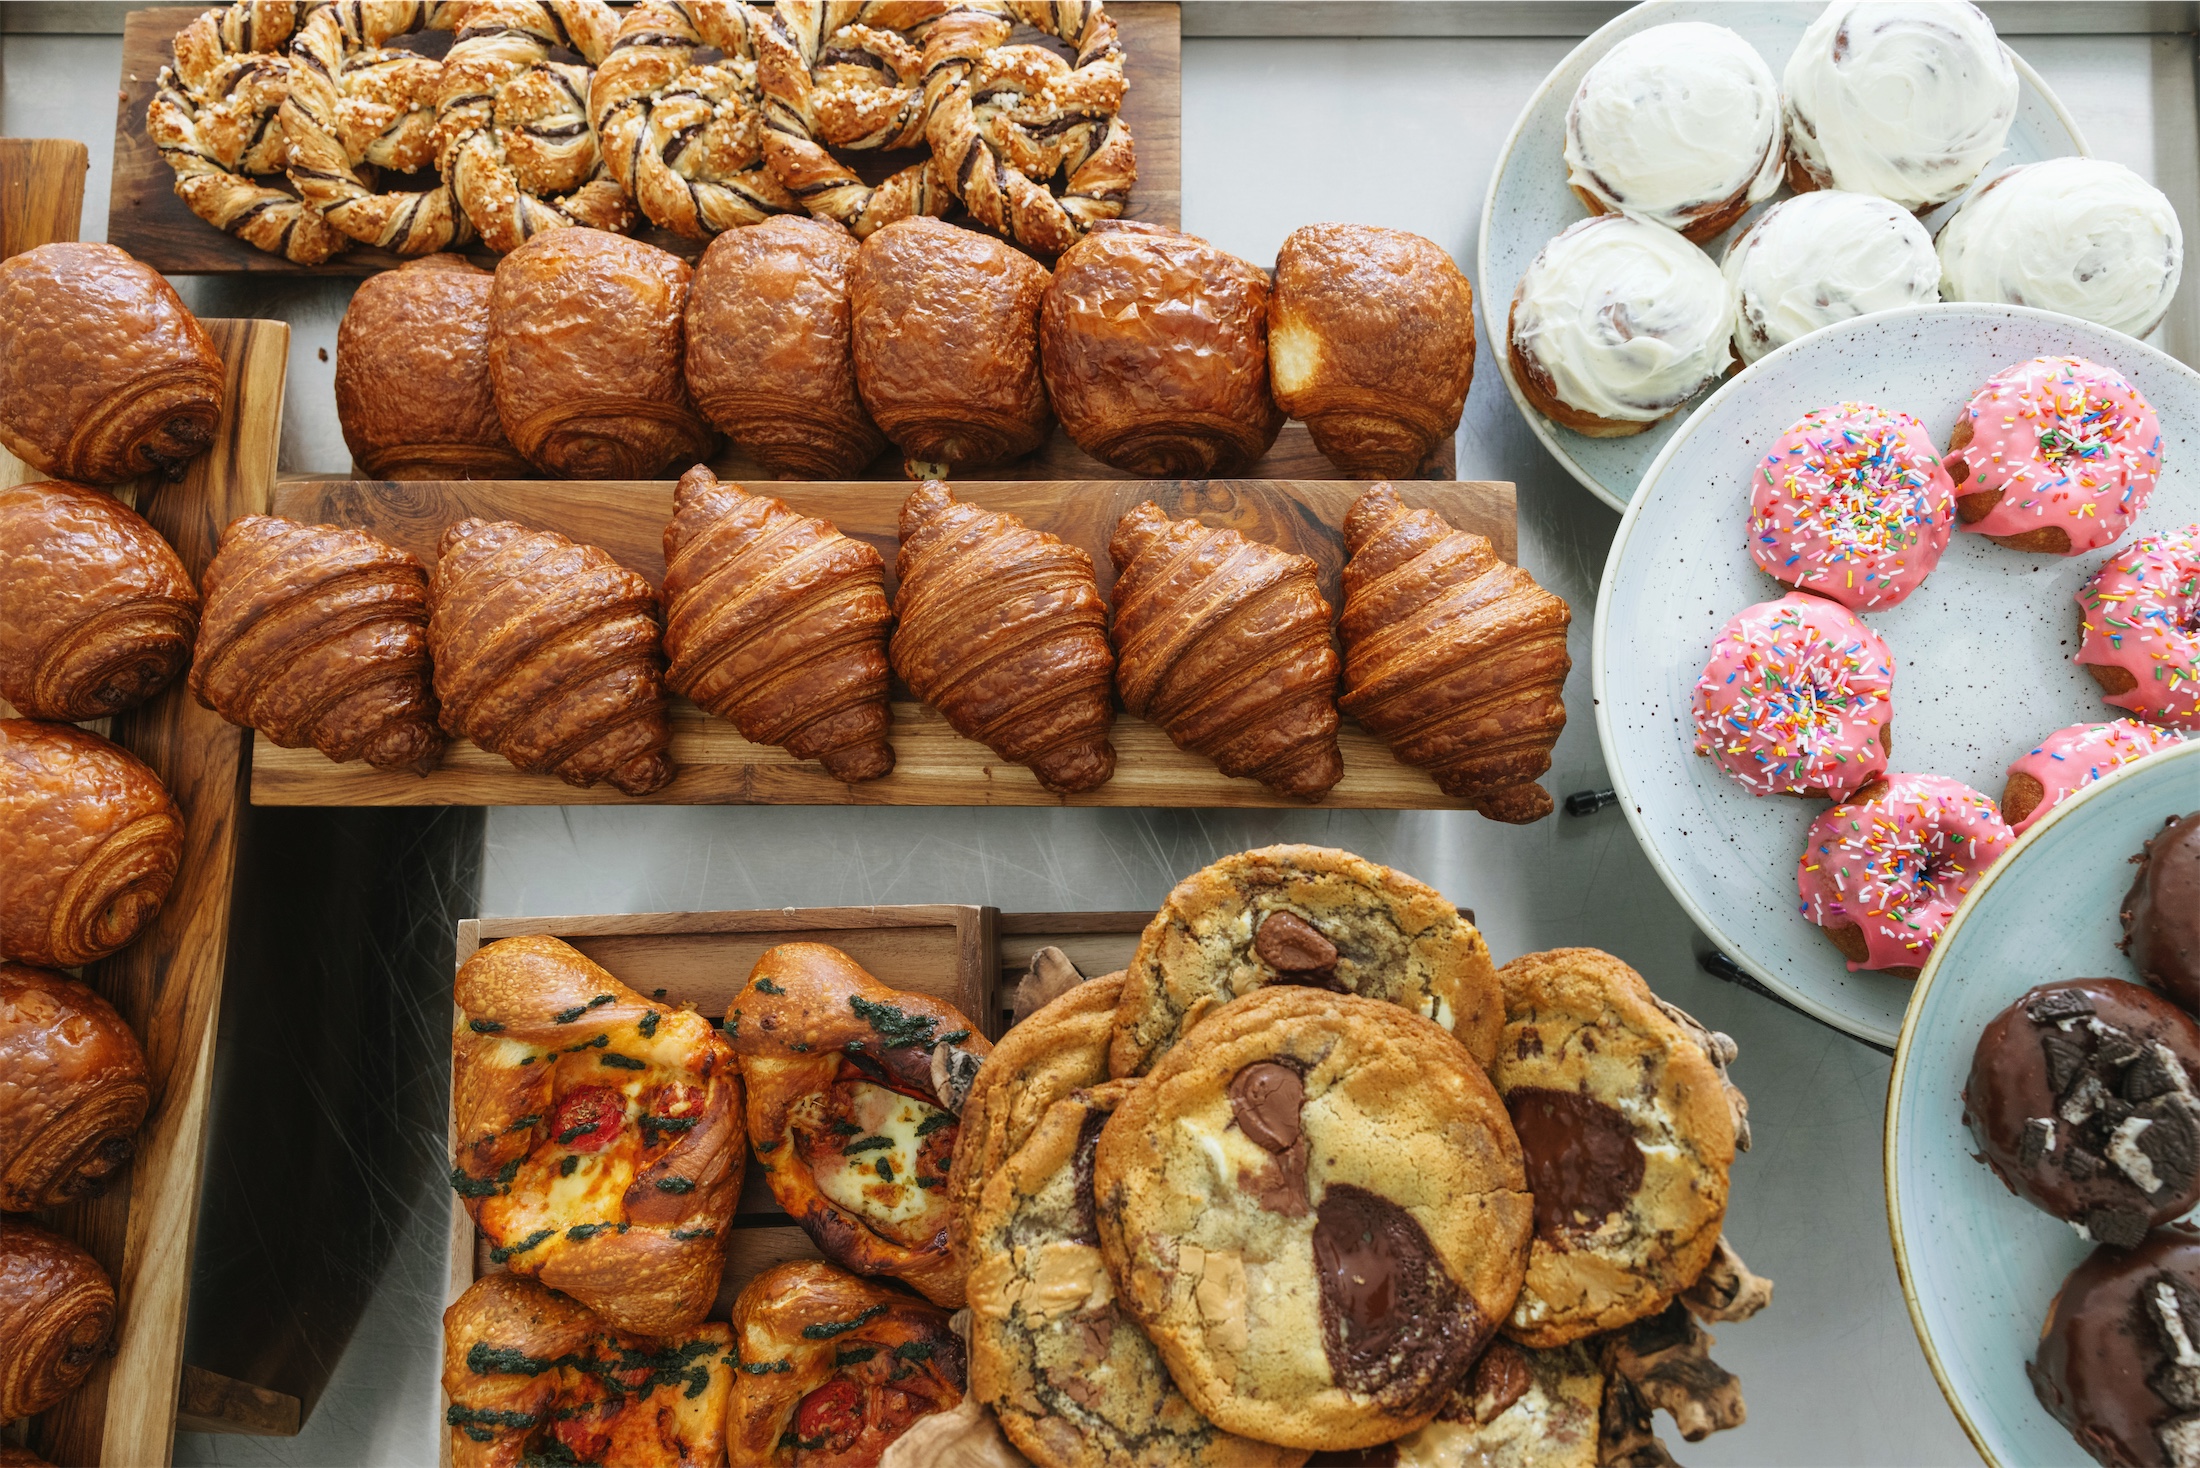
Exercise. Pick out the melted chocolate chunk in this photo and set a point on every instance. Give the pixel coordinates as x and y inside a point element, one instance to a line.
<point>1265,1098</point>
<point>1291,945</point>
<point>1583,1161</point>
<point>1395,1327</point>
<point>1500,1379</point>
<point>1088,1143</point>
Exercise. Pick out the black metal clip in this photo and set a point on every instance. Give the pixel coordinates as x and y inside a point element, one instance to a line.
<point>1719,966</point>
<point>1589,802</point>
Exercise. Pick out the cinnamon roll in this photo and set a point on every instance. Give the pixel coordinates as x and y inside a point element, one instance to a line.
<point>1823,257</point>
<point>73,1090</point>
<point>57,1317</point>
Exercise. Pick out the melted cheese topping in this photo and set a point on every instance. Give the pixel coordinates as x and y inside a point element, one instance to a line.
<point>853,1180</point>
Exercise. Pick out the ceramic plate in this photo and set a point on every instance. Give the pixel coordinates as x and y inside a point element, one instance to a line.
<point>1979,1264</point>
<point>1981,650</point>
<point>1529,202</point>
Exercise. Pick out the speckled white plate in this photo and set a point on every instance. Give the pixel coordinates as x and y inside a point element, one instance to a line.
<point>1981,650</point>
<point>1529,202</point>
<point>1979,1264</point>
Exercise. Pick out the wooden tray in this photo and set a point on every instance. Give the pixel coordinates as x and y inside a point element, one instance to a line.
<point>934,765</point>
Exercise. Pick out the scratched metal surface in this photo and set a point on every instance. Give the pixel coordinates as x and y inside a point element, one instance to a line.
<point>1278,132</point>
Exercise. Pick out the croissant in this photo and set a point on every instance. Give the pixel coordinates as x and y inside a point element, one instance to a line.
<point>546,652</point>
<point>1003,631</point>
<point>96,612</point>
<point>73,1090</point>
<point>57,1314</point>
<point>585,352</point>
<point>89,843</point>
<point>1225,643</point>
<point>1453,658</point>
<point>107,376</point>
<point>1156,352</point>
<point>778,622</point>
<point>770,348</point>
<point>412,375</point>
<point>947,345</point>
<point>1371,341</point>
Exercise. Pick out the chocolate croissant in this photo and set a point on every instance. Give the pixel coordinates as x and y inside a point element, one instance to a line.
<point>778,622</point>
<point>1453,658</point>
<point>412,375</point>
<point>89,842</point>
<point>97,613</point>
<point>1003,631</point>
<point>1156,353</point>
<point>75,1091</point>
<point>318,635</point>
<point>947,345</point>
<point>585,344</point>
<point>770,348</point>
<point>546,652</point>
<point>1371,343</point>
<point>107,376</point>
<point>1225,643</point>
<point>57,1315</point>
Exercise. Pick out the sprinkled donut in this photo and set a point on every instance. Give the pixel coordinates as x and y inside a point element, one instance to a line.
<point>1852,503</point>
<point>2141,619</point>
<point>1796,698</point>
<point>2070,759</point>
<point>1883,871</point>
<point>2055,455</point>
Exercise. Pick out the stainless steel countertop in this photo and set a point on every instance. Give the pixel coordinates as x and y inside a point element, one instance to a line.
<point>1277,132</point>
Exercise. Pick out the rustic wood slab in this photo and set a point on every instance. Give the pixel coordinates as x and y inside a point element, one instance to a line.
<point>41,192</point>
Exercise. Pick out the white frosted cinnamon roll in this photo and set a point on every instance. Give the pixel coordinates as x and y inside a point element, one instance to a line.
<point>1679,125</point>
<point>1823,257</point>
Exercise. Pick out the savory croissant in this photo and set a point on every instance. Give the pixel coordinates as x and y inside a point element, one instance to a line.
<point>853,1090</point>
<point>585,353</point>
<point>1225,643</point>
<point>947,345</point>
<point>1371,341</point>
<point>97,613</point>
<point>89,842</point>
<point>1156,352</point>
<point>770,348</point>
<point>834,1368</point>
<point>107,376</point>
<point>57,1314</point>
<point>318,635</point>
<point>1453,658</point>
<point>778,622</point>
<point>534,1377</point>
<point>546,652</point>
<point>598,1133</point>
<point>412,375</point>
<point>1003,631</point>
<point>74,1091</point>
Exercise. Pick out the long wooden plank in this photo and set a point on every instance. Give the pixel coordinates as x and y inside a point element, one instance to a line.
<point>41,192</point>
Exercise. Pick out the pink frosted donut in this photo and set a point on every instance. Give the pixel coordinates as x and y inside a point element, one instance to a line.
<point>1795,699</point>
<point>2140,616</point>
<point>1852,503</point>
<point>2070,759</point>
<point>1882,872</point>
<point>2055,455</point>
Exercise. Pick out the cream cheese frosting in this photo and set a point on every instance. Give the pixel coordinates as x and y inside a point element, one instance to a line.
<point>1823,257</point>
<point>1907,99</point>
<point>1676,123</point>
<point>1628,320</point>
<point>2082,236</point>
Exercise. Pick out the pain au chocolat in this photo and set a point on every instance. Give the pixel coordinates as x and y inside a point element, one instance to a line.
<point>74,1093</point>
<point>413,390</point>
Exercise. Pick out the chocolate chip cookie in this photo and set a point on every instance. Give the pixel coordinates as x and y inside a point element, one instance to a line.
<point>1317,1210</point>
<point>1306,915</point>
<point>1628,1138</point>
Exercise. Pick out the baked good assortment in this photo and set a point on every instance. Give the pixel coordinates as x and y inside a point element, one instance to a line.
<point>1822,257</point>
<point>2140,628</point>
<point>414,395</point>
<point>1852,503</point>
<point>2070,759</point>
<point>2161,920</point>
<point>2056,455</point>
<point>1884,870</point>
<point>1797,699</point>
<point>75,1091</point>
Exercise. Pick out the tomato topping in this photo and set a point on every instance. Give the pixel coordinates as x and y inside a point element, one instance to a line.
<point>588,1118</point>
<point>831,1417</point>
<point>677,1099</point>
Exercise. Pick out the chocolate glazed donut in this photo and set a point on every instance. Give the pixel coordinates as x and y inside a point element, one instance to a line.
<point>2115,1364</point>
<point>74,1091</point>
<point>2161,913</point>
<point>57,1315</point>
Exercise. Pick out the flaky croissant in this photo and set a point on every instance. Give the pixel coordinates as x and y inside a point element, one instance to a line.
<point>319,635</point>
<point>73,1089</point>
<point>778,622</point>
<point>57,1315</point>
<point>1225,643</point>
<point>547,653</point>
<point>412,375</point>
<point>1003,631</point>
<point>1453,658</point>
<point>97,613</point>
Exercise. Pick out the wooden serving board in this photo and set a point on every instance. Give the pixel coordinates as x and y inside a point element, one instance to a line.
<point>933,764</point>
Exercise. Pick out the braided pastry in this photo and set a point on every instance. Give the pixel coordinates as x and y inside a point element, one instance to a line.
<point>515,143</point>
<point>75,1091</point>
<point>57,1316</point>
<point>213,117</point>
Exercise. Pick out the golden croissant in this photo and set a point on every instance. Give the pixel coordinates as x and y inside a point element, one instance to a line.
<point>1225,643</point>
<point>778,622</point>
<point>1453,658</point>
<point>1003,631</point>
<point>75,1091</point>
<point>547,653</point>
<point>317,635</point>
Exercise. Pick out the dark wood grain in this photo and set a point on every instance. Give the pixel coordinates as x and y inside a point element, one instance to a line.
<point>41,192</point>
